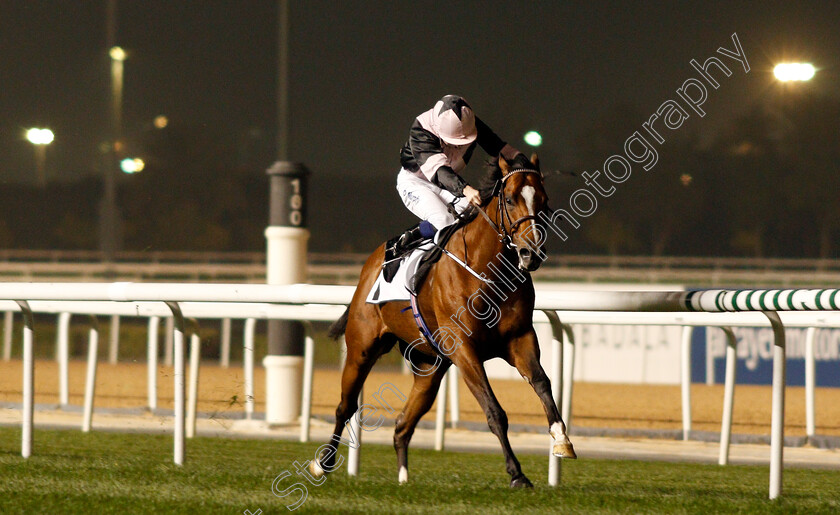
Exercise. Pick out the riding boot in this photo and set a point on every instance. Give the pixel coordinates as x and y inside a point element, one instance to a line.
<point>397,246</point>
<point>408,240</point>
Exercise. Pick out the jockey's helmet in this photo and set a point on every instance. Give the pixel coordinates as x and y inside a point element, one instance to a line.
<point>454,120</point>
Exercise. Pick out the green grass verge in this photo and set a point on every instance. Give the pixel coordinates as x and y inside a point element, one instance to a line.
<point>71,472</point>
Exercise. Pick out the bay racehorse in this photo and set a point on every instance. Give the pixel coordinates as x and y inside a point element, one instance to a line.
<point>477,312</point>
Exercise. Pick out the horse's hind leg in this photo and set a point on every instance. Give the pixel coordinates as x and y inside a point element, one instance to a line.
<point>362,352</point>
<point>525,356</point>
<point>472,370</point>
<point>419,401</point>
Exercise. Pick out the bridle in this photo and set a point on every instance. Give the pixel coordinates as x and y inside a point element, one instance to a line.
<point>503,215</point>
<point>504,232</point>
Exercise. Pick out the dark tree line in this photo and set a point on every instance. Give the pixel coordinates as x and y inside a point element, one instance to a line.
<point>767,185</point>
<point>189,197</point>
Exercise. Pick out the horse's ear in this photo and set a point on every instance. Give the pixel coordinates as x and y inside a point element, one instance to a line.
<point>503,165</point>
<point>535,161</point>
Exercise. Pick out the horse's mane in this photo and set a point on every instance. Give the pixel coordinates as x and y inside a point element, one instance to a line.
<point>493,173</point>
<point>487,182</point>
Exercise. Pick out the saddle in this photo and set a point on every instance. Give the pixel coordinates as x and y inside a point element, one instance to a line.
<point>392,263</point>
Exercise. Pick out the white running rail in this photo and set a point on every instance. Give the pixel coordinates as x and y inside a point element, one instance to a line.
<point>295,302</point>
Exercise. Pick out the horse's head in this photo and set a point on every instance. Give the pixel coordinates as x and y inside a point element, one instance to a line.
<point>522,197</point>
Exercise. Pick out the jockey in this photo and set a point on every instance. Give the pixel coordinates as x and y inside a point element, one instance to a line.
<point>440,144</point>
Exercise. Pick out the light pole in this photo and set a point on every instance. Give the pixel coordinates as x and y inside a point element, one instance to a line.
<point>117,55</point>
<point>793,88</point>
<point>40,138</point>
<point>109,211</point>
<point>286,243</point>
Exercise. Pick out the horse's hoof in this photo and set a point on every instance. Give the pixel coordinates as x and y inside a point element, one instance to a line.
<point>564,450</point>
<point>520,481</point>
<point>315,469</point>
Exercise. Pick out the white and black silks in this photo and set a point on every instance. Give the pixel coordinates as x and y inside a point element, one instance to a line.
<point>426,155</point>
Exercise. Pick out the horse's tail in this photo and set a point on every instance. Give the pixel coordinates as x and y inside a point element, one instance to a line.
<point>339,326</point>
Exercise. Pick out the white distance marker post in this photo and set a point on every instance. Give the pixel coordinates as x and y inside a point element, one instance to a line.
<point>286,239</point>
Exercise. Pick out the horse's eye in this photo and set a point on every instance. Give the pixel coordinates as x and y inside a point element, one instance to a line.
<point>509,201</point>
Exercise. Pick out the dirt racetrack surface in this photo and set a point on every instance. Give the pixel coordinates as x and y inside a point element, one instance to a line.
<point>597,405</point>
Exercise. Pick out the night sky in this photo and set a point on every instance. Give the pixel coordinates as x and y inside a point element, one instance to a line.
<point>360,71</point>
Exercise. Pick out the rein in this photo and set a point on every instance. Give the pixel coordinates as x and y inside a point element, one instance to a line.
<point>503,232</point>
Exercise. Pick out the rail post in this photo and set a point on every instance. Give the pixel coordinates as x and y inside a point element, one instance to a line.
<point>248,365</point>
<point>777,424</point>
<point>306,396</point>
<point>810,383</point>
<point>62,355</point>
<point>28,379</point>
<point>90,376</point>
<point>454,401</point>
<point>195,357</point>
<point>353,453</point>
<point>568,359</point>
<point>179,428</point>
<point>152,361</point>
<point>728,396</point>
<point>114,340</point>
<point>167,341</point>
<point>224,352</point>
<point>556,375</point>
<point>440,413</point>
<point>685,379</point>
<point>8,323</point>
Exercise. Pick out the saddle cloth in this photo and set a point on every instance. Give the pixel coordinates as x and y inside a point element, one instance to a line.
<point>414,268</point>
<point>397,289</point>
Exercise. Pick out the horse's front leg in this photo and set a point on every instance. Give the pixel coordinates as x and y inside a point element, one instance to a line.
<point>472,370</point>
<point>524,354</point>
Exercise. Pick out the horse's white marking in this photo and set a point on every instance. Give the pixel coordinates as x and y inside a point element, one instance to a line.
<point>562,446</point>
<point>557,431</point>
<point>315,469</point>
<point>528,193</point>
<point>403,475</point>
